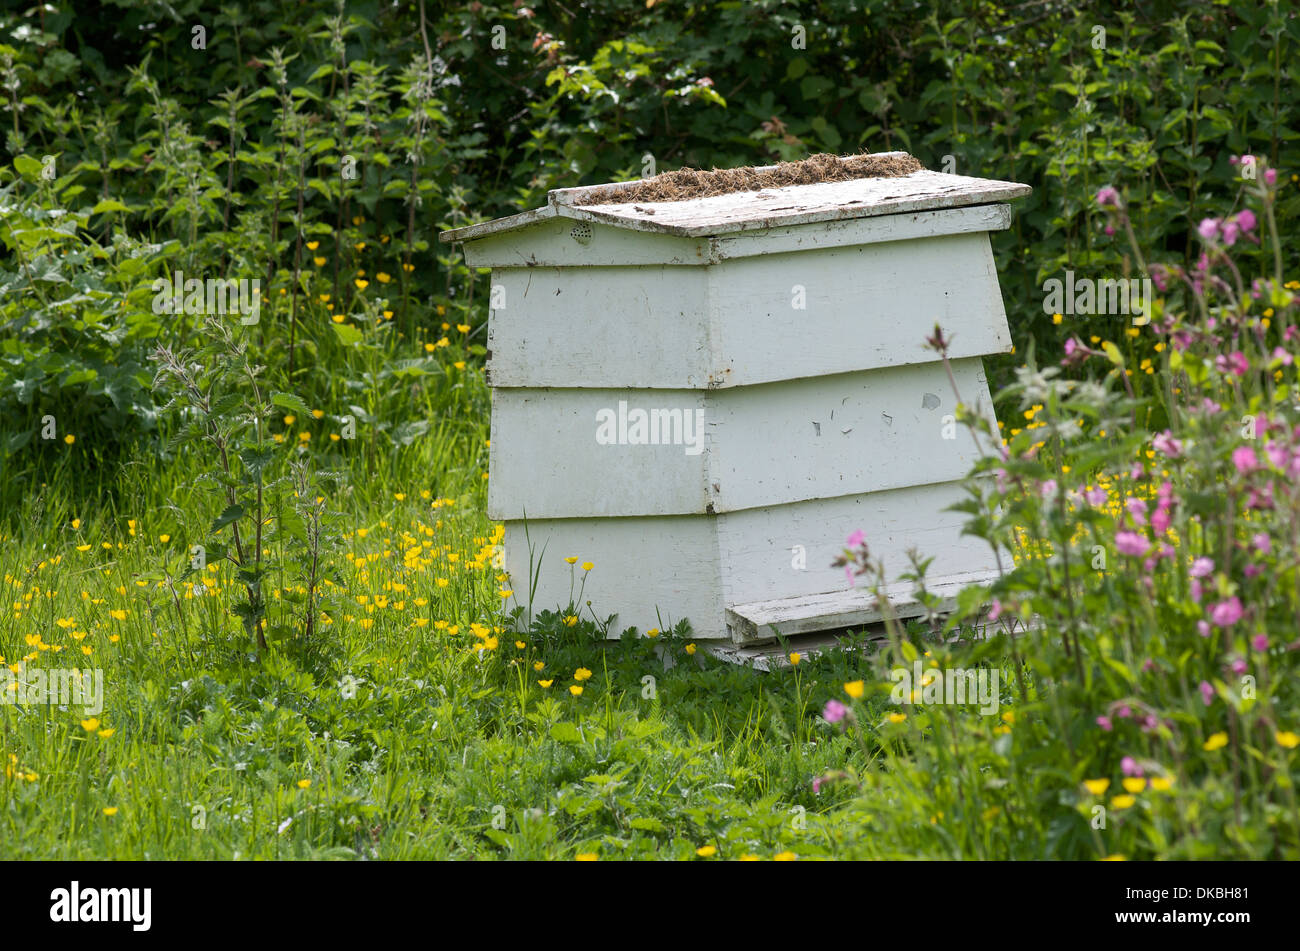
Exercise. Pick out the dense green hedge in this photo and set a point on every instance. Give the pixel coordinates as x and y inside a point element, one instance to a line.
<point>1151,97</point>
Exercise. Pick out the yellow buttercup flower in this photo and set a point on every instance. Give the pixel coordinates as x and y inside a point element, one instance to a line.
<point>545,683</point>
<point>1287,739</point>
<point>706,851</point>
<point>1216,742</point>
<point>897,717</point>
<point>304,783</point>
<point>855,689</point>
<point>1122,802</point>
<point>1161,783</point>
<point>586,857</point>
<point>1134,784</point>
<point>91,725</point>
<point>1097,786</point>
<point>575,690</point>
<point>786,856</point>
<point>110,810</point>
<point>581,674</point>
<point>690,648</point>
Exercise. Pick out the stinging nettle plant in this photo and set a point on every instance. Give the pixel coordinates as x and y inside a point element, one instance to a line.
<point>280,534</point>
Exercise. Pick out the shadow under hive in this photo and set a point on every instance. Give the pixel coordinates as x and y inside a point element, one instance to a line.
<point>703,397</point>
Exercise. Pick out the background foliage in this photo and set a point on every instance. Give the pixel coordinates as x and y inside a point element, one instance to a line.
<point>170,156</point>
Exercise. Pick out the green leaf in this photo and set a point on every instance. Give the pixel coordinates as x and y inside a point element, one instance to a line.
<point>291,402</point>
<point>232,513</point>
<point>566,733</point>
<point>108,204</point>
<point>348,335</point>
<point>27,167</point>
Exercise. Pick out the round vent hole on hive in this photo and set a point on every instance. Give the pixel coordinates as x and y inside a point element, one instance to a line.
<point>581,233</point>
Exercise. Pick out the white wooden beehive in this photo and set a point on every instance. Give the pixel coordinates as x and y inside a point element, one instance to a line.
<point>817,420</point>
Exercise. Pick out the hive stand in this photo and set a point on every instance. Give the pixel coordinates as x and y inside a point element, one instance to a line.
<point>795,319</point>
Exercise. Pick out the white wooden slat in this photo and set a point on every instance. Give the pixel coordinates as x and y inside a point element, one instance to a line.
<point>549,241</point>
<point>769,208</point>
<point>651,572</point>
<point>864,307</point>
<point>638,327</point>
<point>803,204</point>
<point>735,324</point>
<point>856,231</point>
<point>545,461</point>
<point>570,242</point>
<point>818,437</point>
<point>759,621</point>
<point>787,550</point>
<point>670,567</point>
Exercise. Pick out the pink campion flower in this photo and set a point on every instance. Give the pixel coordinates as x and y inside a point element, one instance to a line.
<point>1276,454</point>
<point>1244,458</point>
<point>1129,766</point>
<point>1160,521</point>
<point>1149,722</point>
<point>856,539</point>
<point>1160,277</point>
<point>1207,692</point>
<point>1263,544</point>
<point>1270,177</point>
<point>1252,571</point>
<point>1245,219</point>
<point>1260,499</point>
<point>1166,444</point>
<point>1105,724</point>
<point>1208,228</point>
<point>1131,543</point>
<point>834,711</point>
<point>1283,355</point>
<point>1124,712</point>
<point>1238,666</point>
<point>1148,665</point>
<point>995,610</point>
<point>1137,471</point>
<point>1108,197</point>
<point>1047,489</point>
<point>1096,497</point>
<point>848,573</point>
<point>1227,613</point>
<point>1235,362</point>
<point>1196,591</point>
<point>817,785</point>
<point>1137,508</point>
<point>1202,567</point>
<point>1203,628</point>
<point>1260,642</point>
<point>1231,230</point>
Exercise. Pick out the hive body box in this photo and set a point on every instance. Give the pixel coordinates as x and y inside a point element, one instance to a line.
<point>775,342</point>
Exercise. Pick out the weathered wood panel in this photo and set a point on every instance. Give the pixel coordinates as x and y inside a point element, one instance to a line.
<point>739,448</point>
<point>859,308</point>
<point>748,320</point>
<point>786,550</point>
<point>652,572</point>
<point>572,242</point>
<point>644,327</point>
